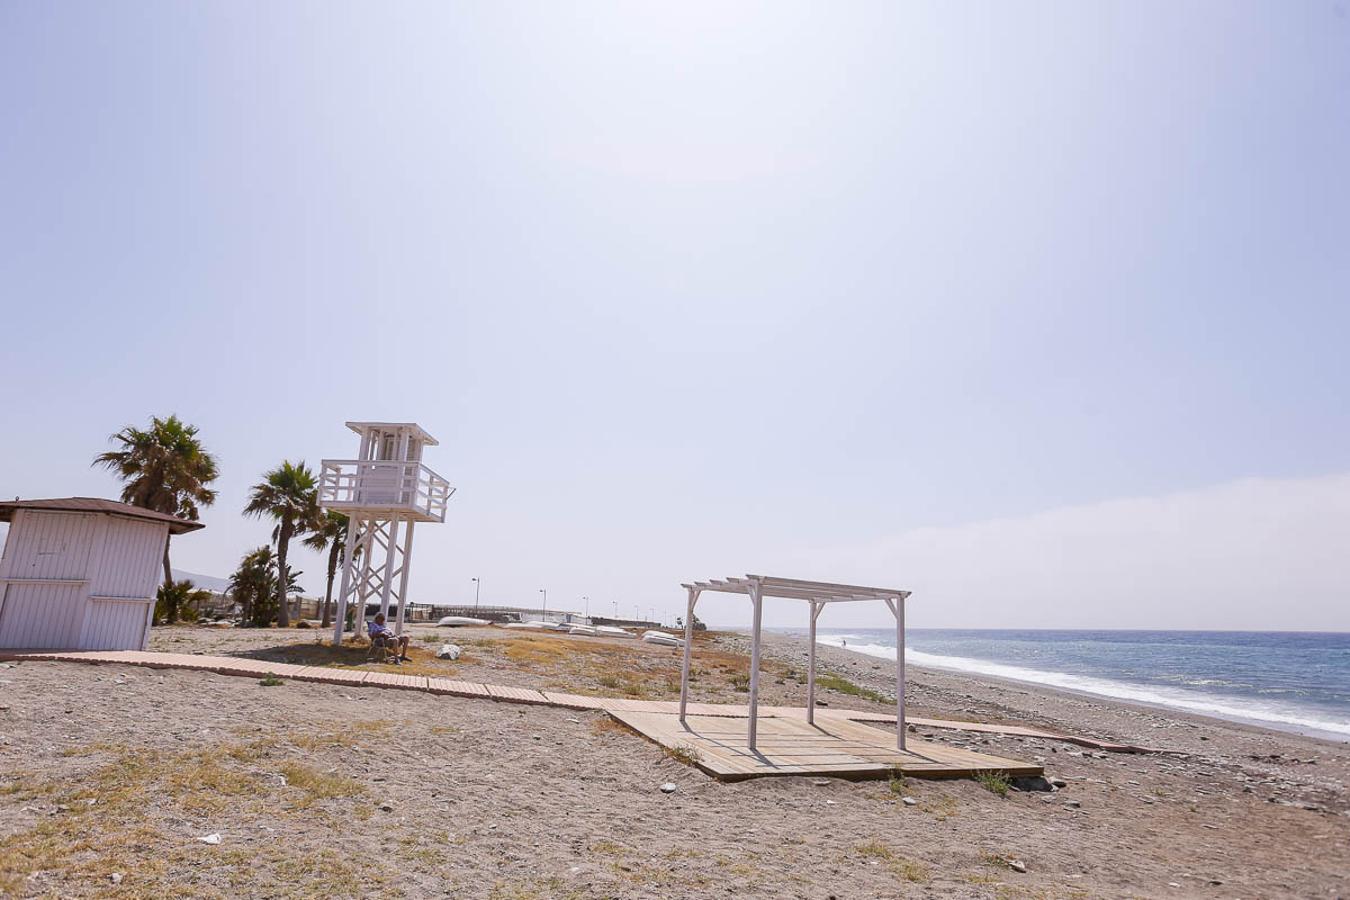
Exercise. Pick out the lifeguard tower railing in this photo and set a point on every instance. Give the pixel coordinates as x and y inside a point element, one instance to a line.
<point>408,490</point>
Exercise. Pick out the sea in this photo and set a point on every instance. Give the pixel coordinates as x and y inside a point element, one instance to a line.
<point>1292,681</point>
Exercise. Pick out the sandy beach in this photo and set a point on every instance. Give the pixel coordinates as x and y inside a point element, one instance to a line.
<point>114,775</point>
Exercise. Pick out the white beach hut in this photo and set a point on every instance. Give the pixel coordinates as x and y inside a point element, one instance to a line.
<point>80,573</point>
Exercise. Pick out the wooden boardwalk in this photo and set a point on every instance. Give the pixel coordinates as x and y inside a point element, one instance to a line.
<point>717,722</point>
<point>789,745</point>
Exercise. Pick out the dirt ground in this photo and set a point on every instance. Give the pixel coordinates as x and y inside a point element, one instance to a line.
<point>111,776</point>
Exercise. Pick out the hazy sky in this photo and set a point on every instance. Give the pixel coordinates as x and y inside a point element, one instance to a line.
<point>1042,310</point>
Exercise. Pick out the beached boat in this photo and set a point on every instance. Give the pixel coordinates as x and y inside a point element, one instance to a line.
<point>612,631</point>
<point>586,630</point>
<point>457,621</point>
<point>661,638</point>
<point>521,625</point>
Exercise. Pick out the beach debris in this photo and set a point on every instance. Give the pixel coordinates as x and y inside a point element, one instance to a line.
<point>449,651</point>
<point>821,782</point>
<point>115,878</point>
<point>211,839</point>
<point>909,801</point>
<point>1015,864</point>
<point>668,787</point>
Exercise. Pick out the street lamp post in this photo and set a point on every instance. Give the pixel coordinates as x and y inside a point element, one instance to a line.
<point>476,585</point>
<point>587,601</point>
<point>544,591</point>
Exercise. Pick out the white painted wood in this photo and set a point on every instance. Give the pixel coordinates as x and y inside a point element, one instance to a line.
<point>80,580</point>
<point>688,648</point>
<point>386,485</point>
<point>403,577</point>
<point>758,600</point>
<point>900,673</point>
<point>817,594</point>
<point>816,607</point>
<point>353,526</point>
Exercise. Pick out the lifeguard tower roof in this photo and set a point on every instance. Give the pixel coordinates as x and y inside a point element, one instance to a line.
<point>413,428</point>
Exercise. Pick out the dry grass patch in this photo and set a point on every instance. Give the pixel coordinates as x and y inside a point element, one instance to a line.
<point>608,725</point>
<point>908,869</point>
<point>316,785</point>
<point>684,753</point>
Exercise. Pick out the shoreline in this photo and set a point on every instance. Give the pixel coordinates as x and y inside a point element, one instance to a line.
<point>1330,738</point>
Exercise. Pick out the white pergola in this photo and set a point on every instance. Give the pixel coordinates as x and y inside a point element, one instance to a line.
<point>817,594</point>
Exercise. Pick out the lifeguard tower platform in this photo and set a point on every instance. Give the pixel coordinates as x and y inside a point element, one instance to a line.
<point>384,491</point>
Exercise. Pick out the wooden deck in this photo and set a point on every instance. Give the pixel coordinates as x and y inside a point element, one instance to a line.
<point>789,745</point>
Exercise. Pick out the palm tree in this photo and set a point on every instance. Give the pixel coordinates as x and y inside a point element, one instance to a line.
<point>164,468</point>
<point>289,494</point>
<point>254,587</point>
<point>177,597</point>
<point>331,535</point>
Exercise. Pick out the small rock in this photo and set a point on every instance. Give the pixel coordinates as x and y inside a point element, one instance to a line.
<point>210,839</point>
<point>1017,865</point>
<point>1034,783</point>
<point>1059,782</point>
<point>386,807</point>
<point>115,878</point>
<point>821,782</point>
<point>448,651</point>
<point>909,801</point>
<point>1072,804</point>
<point>668,787</point>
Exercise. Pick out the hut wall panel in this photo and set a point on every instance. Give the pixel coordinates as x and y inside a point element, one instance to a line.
<point>115,625</point>
<point>42,616</point>
<point>130,564</point>
<point>51,545</point>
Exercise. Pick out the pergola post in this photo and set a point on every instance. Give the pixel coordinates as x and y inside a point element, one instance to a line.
<point>353,527</point>
<point>816,607</point>
<point>688,649</point>
<point>757,599</point>
<point>898,609</point>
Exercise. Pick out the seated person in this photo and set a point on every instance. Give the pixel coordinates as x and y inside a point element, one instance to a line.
<point>380,633</point>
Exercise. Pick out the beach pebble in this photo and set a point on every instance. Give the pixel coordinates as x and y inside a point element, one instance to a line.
<point>909,801</point>
<point>1017,865</point>
<point>115,878</point>
<point>668,787</point>
<point>821,782</point>
<point>1033,783</point>
<point>1072,804</point>
<point>210,839</point>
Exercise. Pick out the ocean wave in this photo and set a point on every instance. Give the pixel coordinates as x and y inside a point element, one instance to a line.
<point>1175,698</point>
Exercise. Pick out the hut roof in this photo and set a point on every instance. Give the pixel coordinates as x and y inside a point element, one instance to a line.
<point>98,505</point>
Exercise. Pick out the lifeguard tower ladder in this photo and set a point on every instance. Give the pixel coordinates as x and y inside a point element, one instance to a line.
<point>384,492</point>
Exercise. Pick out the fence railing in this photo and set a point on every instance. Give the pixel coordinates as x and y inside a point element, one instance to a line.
<point>383,484</point>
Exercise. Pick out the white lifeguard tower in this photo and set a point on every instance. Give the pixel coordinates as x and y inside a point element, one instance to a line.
<point>385,489</point>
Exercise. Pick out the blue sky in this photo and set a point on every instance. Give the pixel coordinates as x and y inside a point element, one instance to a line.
<point>721,288</point>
